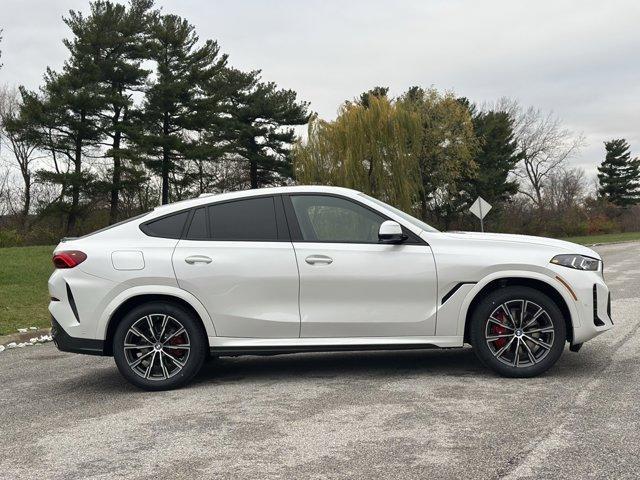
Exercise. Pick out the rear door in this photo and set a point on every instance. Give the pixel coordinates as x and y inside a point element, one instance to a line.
<point>238,260</point>
<point>350,284</point>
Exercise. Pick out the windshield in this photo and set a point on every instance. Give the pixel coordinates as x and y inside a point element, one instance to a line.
<point>400,213</point>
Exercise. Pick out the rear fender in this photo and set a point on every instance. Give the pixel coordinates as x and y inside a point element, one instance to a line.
<point>154,290</point>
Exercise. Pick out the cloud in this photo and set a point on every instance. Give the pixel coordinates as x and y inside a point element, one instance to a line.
<point>577,58</point>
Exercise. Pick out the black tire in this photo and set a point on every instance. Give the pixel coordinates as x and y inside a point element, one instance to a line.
<point>180,354</point>
<point>489,337</point>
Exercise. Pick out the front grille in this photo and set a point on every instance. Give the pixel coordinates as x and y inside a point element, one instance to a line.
<point>596,320</point>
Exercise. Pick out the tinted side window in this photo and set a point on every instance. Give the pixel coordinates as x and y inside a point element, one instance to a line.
<point>251,219</point>
<point>166,227</point>
<point>333,219</point>
<point>198,227</point>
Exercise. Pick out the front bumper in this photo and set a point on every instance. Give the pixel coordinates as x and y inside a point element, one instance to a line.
<point>67,343</point>
<point>592,303</point>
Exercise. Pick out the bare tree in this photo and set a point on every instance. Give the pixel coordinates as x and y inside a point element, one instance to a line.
<point>23,149</point>
<point>545,145</point>
<point>5,207</point>
<point>565,189</point>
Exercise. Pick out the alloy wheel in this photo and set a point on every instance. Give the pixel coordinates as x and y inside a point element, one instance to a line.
<point>519,333</point>
<point>157,347</point>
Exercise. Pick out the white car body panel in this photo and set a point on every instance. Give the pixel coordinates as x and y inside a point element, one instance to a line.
<point>367,290</point>
<point>265,294</point>
<point>249,288</point>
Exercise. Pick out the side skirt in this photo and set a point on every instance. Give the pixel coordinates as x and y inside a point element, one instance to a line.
<point>272,346</point>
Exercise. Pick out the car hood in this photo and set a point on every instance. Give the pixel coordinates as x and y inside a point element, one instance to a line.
<point>569,247</point>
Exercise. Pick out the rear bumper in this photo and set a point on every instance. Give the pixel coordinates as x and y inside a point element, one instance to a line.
<point>67,343</point>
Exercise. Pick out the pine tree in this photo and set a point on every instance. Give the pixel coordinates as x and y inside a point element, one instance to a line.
<point>378,92</point>
<point>263,118</point>
<point>173,111</point>
<point>63,118</point>
<point>619,174</point>
<point>114,36</point>
<point>497,157</point>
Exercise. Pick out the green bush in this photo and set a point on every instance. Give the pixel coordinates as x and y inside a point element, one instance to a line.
<point>10,237</point>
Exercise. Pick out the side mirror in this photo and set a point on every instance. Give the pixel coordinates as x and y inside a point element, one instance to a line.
<point>391,232</point>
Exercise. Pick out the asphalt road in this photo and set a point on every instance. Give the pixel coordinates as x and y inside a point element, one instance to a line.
<point>416,414</point>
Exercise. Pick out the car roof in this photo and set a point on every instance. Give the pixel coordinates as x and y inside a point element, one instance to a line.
<point>207,198</point>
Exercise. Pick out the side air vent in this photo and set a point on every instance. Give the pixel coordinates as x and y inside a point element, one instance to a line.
<point>72,303</point>
<point>609,307</point>
<point>455,288</point>
<point>596,320</point>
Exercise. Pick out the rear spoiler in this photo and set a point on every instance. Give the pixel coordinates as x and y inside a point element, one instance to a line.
<point>68,239</point>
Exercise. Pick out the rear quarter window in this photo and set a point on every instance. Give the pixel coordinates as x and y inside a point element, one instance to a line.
<point>170,226</point>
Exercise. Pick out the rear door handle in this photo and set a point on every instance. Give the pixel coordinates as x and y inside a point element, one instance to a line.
<point>193,259</point>
<point>318,260</point>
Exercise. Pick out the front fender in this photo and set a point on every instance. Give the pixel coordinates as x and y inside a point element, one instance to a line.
<point>548,277</point>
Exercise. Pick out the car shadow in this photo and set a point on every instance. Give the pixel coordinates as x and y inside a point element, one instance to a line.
<point>455,362</point>
<point>374,365</point>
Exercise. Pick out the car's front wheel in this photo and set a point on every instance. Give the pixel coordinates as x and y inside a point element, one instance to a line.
<point>518,331</point>
<point>159,346</point>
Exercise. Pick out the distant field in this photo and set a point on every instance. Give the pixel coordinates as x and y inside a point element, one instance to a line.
<point>23,287</point>
<point>607,238</point>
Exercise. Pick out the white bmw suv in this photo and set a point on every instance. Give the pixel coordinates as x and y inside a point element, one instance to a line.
<point>298,269</point>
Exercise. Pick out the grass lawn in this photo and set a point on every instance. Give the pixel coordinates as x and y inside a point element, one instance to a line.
<point>606,238</point>
<point>24,272</point>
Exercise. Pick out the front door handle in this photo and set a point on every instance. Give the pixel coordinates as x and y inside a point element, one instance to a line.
<point>193,259</point>
<point>318,260</point>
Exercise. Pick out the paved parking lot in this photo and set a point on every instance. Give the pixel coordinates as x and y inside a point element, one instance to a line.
<point>415,414</point>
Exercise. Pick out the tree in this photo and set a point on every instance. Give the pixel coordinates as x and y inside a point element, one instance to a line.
<point>447,150</point>
<point>263,117</point>
<point>171,115</point>
<point>16,136</point>
<point>378,92</point>
<point>565,189</point>
<point>619,174</point>
<point>371,148</point>
<point>543,144</point>
<point>114,36</point>
<point>63,117</point>
<point>496,157</point>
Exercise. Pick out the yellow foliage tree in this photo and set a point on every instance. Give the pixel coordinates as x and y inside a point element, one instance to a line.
<point>448,147</point>
<point>373,148</point>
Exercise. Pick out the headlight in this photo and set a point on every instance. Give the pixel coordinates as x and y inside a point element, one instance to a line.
<point>579,262</point>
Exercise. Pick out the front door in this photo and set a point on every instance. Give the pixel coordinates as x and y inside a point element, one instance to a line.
<point>237,258</point>
<point>351,285</point>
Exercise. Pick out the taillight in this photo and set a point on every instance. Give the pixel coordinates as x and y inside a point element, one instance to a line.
<point>68,258</point>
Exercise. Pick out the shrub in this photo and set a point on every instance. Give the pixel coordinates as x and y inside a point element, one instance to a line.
<point>10,237</point>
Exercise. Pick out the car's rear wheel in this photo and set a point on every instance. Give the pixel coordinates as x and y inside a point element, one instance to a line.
<point>518,331</point>
<point>159,346</point>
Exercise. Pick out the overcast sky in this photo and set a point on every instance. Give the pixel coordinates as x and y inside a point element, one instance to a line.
<point>579,59</point>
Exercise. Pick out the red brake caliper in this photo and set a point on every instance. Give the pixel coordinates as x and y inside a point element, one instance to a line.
<point>178,340</point>
<point>499,330</point>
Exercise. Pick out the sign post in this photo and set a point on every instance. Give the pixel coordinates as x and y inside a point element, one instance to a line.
<point>480,208</point>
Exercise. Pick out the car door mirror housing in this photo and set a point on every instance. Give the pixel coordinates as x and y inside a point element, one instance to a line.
<point>391,232</point>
